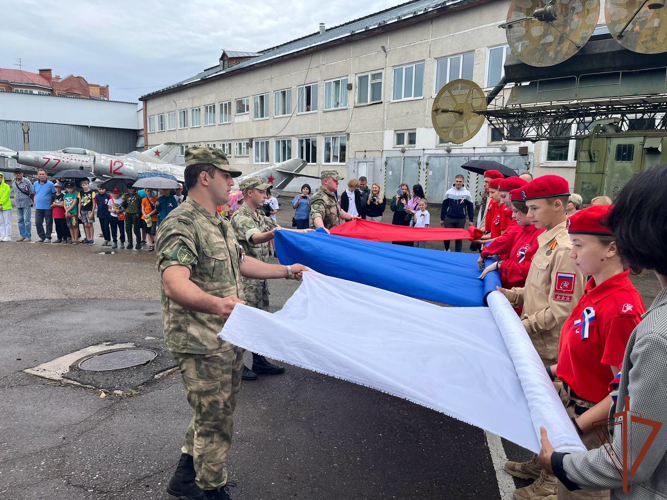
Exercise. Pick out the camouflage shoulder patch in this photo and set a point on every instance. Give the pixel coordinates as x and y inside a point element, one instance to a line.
<point>185,256</point>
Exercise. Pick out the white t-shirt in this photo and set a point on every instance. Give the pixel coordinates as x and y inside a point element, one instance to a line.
<point>352,209</point>
<point>179,199</point>
<point>273,203</point>
<point>423,218</point>
<point>118,203</point>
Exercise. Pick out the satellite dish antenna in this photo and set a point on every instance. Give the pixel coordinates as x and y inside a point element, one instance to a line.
<point>455,111</point>
<point>638,25</point>
<point>547,32</point>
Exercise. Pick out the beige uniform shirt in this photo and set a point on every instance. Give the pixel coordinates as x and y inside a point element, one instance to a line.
<point>553,287</point>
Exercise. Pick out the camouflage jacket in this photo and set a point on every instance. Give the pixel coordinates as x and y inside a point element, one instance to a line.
<point>247,223</point>
<point>206,245</point>
<point>324,204</point>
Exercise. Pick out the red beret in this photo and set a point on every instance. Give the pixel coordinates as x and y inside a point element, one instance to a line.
<point>512,183</point>
<point>547,186</point>
<point>495,183</point>
<point>590,220</point>
<point>493,174</point>
<point>516,194</point>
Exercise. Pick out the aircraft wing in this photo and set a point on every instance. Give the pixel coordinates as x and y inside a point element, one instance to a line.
<point>298,174</point>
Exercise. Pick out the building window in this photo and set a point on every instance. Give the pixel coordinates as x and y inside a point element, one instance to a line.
<point>307,149</point>
<point>209,114</point>
<point>404,138</point>
<point>409,82</point>
<point>283,102</point>
<point>335,149</point>
<point>369,88</point>
<point>261,150</point>
<point>171,120</point>
<point>307,97</point>
<point>151,124</point>
<point>260,105</point>
<point>160,123</point>
<point>226,112</point>
<point>496,65</point>
<point>226,148</point>
<point>559,149</point>
<point>283,151</point>
<point>243,106</point>
<point>625,152</point>
<point>183,118</point>
<point>452,68</point>
<point>195,117</point>
<point>242,148</point>
<point>182,149</point>
<point>335,94</point>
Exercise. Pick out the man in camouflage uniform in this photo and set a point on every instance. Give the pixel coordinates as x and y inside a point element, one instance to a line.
<point>325,210</point>
<point>201,261</point>
<point>254,230</point>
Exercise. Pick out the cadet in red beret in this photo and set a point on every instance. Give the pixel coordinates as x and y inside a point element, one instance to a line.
<point>489,175</point>
<point>553,286</point>
<point>515,248</point>
<point>499,217</point>
<point>595,335</point>
<point>507,185</point>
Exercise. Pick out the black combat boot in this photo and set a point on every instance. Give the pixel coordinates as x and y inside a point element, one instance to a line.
<point>248,374</point>
<point>221,494</point>
<point>261,366</point>
<point>182,483</point>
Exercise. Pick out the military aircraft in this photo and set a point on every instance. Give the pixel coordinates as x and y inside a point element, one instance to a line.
<point>132,164</point>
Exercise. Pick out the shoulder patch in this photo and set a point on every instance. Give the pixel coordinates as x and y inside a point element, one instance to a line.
<point>627,308</point>
<point>565,283</point>
<point>185,256</point>
<point>562,297</point>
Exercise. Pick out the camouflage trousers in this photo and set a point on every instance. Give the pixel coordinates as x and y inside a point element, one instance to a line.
<point>212,383</point>
<point>256,293</point>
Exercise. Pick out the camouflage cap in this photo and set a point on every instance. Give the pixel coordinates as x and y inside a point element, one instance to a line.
<point>331,173</point>
<point>254,182</point>
<point>204,155</point>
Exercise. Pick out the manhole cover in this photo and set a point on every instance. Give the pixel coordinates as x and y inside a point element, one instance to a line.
<point>117,360</point>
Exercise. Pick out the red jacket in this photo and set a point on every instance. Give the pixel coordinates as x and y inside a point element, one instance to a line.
<point>516,249</point>
<point>498,218</point>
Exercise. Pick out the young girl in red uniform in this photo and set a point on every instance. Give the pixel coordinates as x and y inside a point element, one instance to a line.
<point>516,248</point>
<point>595,335</point>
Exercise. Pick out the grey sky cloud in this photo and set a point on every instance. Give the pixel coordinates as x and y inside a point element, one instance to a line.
<point>140,46</point>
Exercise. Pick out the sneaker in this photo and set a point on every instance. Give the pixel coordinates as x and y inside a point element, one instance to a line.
<point>122,246</point>
<point>27,240</point>
<point>48,240</point>
<point>151,248</point>
<point>543,487</point>
<point>106,244</point>
<point>115,245</point>
<point>41,240</point>
<point>59,240</point>
<point>20,239</point>
<point>91,242</point>
<point>524,470</point>
<point>130,247</point>
<point>69,240</point>
<point>7,238</point>
<point>248,374</point>
<point>138,247</point>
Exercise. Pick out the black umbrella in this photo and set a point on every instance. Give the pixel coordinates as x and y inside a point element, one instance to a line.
<point>121,183</point>
<point>73,174</point>
<point>481,166</point>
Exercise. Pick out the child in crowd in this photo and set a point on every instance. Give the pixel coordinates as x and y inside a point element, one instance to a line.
<point>117,219</point>
<point>5,210</point>
<point>149,211</point>
<point>166,203</point>
<point>71,200</point>
<point>103,215</point>
<point>422,218</point>
<point>88,204</point>
<point>58,206</point>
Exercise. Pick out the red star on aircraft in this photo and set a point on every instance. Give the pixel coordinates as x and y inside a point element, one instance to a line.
<point>157,152</point>
<point>271,179</point>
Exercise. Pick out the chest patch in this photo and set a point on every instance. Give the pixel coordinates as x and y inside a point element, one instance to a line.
<point>565,283</point>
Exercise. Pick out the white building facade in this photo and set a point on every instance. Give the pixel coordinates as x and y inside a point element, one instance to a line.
<point>356,98</point>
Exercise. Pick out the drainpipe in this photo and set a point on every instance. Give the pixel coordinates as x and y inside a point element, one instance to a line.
<point>496,90</point>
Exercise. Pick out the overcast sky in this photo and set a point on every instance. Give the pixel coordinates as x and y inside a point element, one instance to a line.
<point>140,46</point>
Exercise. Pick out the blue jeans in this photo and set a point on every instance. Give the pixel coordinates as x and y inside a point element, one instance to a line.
<point>25,214</point>
<point>302,223</point>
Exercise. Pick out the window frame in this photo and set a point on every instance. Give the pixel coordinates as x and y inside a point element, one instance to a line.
<point>406,133</point>
<point>265,107</point>
<point>184,113</point>
<point>246,101</point>
<point>192,114</point>
<point>277,98</point>
<point>344,92</point>
<point>325,160</point>
<point>448,78</point>
<point>151,124</point>
<point>171,118</point>
<point>244,150</point>
<point>255,151</point>
<point>222,113</point>
<point>277,143</point>
<point>414,77</point>
<point>312,140</point>
<point>161,122</point>
<point>207,108</point>
<point>488,64</point>
<point>370,74</point>
<point>313,92</point>
<point>226,147</point>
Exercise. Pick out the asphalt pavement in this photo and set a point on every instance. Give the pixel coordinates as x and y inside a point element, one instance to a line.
<point>298,435</point>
